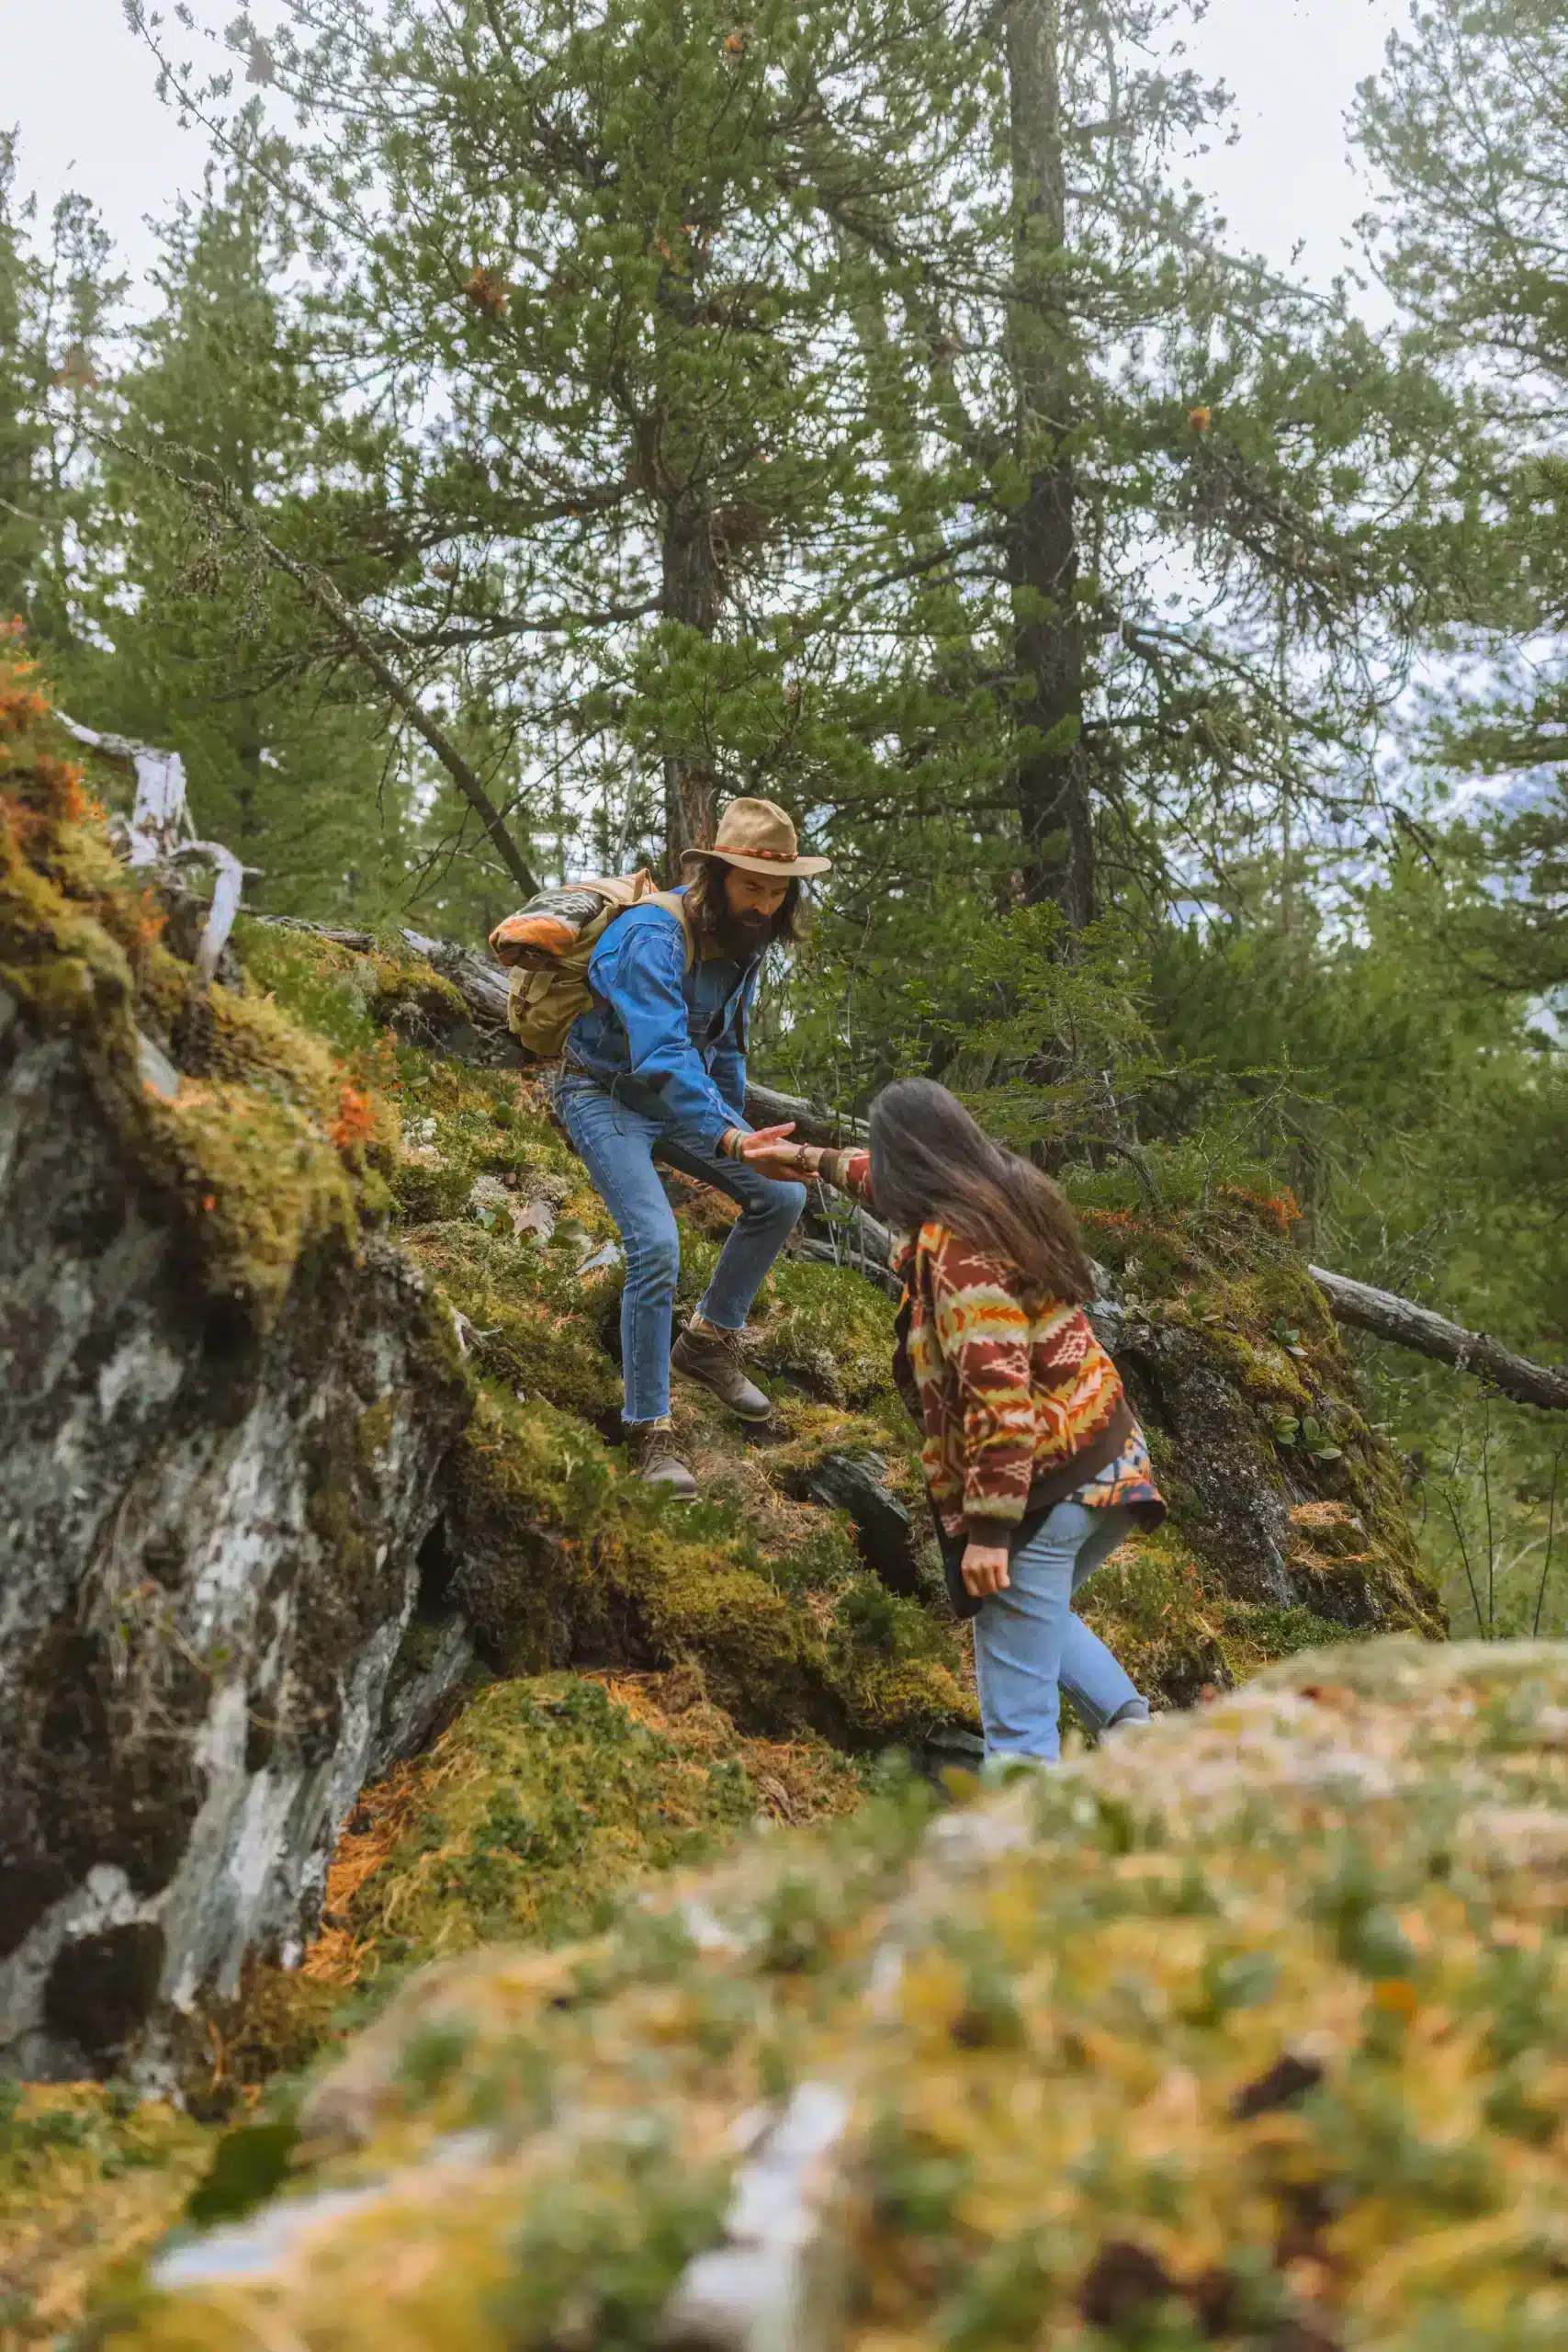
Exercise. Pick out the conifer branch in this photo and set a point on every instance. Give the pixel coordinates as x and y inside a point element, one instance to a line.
<point>223,503</point>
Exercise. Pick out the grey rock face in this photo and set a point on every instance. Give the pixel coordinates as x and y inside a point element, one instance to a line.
<point>884,1526</point>
<point>208,1532</point>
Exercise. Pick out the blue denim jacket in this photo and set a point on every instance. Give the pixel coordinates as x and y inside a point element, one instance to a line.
<point>679,1034</point>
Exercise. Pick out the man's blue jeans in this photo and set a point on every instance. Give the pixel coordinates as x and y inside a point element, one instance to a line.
<point>618,1146</point>
<point>1028,1645</point>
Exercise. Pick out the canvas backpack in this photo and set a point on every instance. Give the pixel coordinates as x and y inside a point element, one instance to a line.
<point>549,943</point>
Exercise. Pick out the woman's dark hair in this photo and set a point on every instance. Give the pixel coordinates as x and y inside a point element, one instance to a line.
<point>707,905</point>
<point>928,1159</point>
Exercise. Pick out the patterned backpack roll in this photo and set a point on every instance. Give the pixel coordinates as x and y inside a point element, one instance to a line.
<point>549,943</point>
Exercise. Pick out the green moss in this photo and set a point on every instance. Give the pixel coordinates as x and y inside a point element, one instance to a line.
<point>539,1810</point>
<point>569,1553</point>
<point>374,1431</point>
<point>269,1152</point>
<point>90,2178</point>
<point>341,995</point>
<point>1150,1604</point>
<point>830,1331</point>
<point>1266,1631</point>
<point>1248,2030</point>
<point>537,1325</point>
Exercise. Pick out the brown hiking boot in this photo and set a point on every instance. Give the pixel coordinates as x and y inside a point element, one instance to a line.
<point>717,1358</point>
<point>654,1458</point>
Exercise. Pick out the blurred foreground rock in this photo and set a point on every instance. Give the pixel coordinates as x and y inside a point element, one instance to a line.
<point>1249,2030</point>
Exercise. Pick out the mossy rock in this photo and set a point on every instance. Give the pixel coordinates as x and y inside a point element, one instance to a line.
<point>545,1806</point>
<point>270,1149</point>
<point>1234,1365</point>
<point>566,1558</point>
<point>91,2177</point>
<point>537,1325</point>
<point>827,1331</point>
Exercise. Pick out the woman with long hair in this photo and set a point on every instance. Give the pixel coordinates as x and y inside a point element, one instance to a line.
<point>1035,1466</point>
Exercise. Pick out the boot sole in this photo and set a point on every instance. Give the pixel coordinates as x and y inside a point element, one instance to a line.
<point>754,1420</point>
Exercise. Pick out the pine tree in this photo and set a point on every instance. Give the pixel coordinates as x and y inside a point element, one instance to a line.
<point>21,423</point>
<point>287,759</point>
<point>603,305</point>
<point>835,401</point>
<point>1468,126</point>
<point>56,306</point>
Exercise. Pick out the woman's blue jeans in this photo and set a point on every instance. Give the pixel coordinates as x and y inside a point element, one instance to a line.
<point>618,1146</point>
<point>1029,1645</point>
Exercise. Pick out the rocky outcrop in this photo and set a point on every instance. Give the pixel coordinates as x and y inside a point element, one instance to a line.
<point>201,1612</point>
<point>222,1407</point>
<point>254,1531</point>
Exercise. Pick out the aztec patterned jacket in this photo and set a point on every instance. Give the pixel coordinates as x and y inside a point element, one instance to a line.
<point>1018,1403</point>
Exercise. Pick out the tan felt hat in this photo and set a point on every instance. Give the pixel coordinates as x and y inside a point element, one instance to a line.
<point>758,837</point>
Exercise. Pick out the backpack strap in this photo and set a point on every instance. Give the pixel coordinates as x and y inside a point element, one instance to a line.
<point>674,903</point>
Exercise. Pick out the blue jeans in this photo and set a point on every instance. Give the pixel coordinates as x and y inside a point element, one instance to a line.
<point>618,1145</point>
<point>1029,1643</point>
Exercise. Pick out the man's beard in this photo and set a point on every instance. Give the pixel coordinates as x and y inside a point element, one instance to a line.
<point>743,937</point>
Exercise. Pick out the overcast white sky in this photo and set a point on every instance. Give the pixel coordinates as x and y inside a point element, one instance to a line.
<point>80,88</point>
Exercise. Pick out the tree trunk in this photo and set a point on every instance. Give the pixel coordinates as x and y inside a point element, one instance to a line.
<point>690,594</point>
<point>1052,771</point>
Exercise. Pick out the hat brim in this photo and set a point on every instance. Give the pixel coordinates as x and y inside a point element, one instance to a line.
<point>773,868</point>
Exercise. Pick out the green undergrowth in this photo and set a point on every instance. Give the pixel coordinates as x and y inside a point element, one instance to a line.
<point>566,1553</point>
<point>90,2174</point>
<point>546,1804</point>
<point>565,1557</point>
<point>1287,1518</point>
<point>546,1809</point>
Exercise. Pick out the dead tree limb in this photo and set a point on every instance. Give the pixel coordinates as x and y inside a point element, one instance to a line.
<point>160,833</point>
<point>766,1107</point>
<point>1406,1324</point>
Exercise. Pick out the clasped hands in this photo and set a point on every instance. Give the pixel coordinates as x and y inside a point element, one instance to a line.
<point>770,1153</point>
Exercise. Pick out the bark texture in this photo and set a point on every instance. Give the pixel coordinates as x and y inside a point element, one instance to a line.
<point>1056,816</point>
<point>1406,1324</point>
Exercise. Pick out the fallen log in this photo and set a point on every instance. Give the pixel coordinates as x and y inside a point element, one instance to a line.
<point>766,1107</point>
<point>1406,1324</point>
<point>866,1244</point>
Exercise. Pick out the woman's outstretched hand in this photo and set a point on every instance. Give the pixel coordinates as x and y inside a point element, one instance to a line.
<point>984,1570</point>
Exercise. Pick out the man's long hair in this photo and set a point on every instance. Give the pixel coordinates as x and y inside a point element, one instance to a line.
<point>708,908</point>
<point>929,1161</point>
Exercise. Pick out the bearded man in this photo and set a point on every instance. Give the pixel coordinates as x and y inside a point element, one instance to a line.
<point>656,1070</point>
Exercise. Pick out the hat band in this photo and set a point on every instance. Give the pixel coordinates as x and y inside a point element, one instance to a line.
<point>784,857</point>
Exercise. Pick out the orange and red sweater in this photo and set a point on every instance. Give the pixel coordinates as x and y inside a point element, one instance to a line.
<point>1018,1403</point>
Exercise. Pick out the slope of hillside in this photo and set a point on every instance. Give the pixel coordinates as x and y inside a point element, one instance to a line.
<point>325,1580</point>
